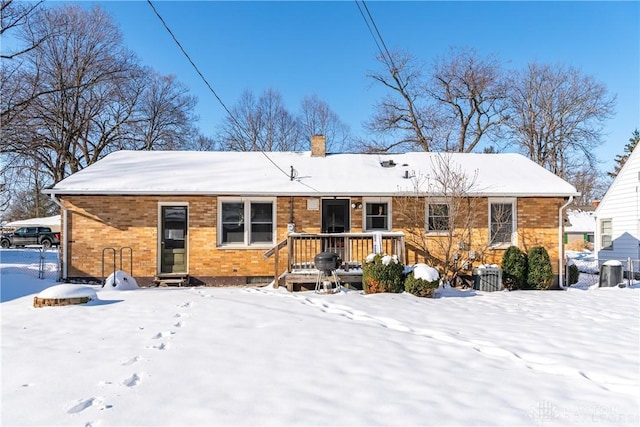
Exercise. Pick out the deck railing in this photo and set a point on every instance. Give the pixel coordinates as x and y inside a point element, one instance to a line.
<point>352,248</point>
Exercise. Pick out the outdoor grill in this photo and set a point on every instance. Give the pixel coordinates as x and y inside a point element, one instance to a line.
<point>326,263</point>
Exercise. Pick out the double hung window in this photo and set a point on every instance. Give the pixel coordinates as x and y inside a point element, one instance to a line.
<point>246,222</point>
<point>502,222</point>
<point>377,216</point>
<point>438,217</point>
<point>606,228</point>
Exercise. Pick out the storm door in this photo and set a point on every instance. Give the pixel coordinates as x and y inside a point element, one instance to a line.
<point>335,219</point>
<point>173,240</point>
<point>335,216</point>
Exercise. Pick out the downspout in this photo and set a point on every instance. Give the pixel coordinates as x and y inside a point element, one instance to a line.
<point>63,240</point>
<point>560,243</point>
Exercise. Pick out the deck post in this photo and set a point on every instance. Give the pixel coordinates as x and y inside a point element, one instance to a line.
<point>277,264</point>
<point>290,251</point>
<point>347,252</point>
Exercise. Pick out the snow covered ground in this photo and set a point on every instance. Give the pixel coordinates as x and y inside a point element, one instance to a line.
<point>259,356</point>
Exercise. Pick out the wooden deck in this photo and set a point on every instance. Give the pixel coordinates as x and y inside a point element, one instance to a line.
<point>297,280</point>
<point>298,271</point>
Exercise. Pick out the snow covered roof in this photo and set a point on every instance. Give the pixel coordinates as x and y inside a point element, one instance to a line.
<point>257,173</point>
<point>50,221</point>
<point>581,221</point>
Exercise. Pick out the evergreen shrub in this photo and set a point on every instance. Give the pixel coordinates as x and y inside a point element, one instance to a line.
<point>382,273</point>
<point>574,274</point>
<point>514,268</point>
<point>420,287</point>
<point>540,274</point>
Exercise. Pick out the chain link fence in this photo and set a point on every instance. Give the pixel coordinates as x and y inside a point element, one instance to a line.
<point>31,261</point>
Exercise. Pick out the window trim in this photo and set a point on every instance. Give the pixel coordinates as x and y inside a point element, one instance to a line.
<point>602,234</point>
<point>376,200</point>
<point>247,201</point>
<point>514,221</point>
<point>428,203</point>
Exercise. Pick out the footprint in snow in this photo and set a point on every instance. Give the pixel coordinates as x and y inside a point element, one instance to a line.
<point>133,381</point>
<point>87,403</point>
<point>131,361</point>
<point>187,305</point>
<point>179,324</point>
<point>163,346</point>
<point>163,334</point>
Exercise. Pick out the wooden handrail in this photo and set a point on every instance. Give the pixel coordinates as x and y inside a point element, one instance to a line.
<point>273,250</point>
<point>276,251</point>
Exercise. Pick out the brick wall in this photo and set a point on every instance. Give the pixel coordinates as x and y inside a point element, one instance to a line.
<point>99,222</point>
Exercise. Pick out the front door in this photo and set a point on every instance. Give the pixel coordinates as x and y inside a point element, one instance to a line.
<point>173,240</point>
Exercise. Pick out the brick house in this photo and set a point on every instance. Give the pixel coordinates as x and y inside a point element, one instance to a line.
<point>231,218</point>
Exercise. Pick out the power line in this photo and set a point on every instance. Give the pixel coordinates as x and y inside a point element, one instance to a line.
<point>175,39</point>
<point>386,56</point>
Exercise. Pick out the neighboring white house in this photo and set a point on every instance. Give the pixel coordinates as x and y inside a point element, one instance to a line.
<point>618,216</point>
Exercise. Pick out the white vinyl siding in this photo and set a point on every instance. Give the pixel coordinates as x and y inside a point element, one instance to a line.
<point>621,205</point>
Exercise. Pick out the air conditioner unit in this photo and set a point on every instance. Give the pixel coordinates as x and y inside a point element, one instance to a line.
<point>487,278</point>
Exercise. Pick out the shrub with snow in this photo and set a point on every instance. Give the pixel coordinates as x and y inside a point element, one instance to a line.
<point>422,281</point>
<point>382,273</point>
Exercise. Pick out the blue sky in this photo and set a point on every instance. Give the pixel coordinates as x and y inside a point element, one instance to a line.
<point>325,48</point>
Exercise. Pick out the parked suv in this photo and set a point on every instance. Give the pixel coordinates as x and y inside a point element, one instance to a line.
<point>30,236</point>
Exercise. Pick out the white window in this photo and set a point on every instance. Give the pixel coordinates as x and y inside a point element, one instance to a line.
<point>377,215</point>
<point>246,222</point>
<point>438,219</point>
<point>502,222</point>
<point>605,234</point>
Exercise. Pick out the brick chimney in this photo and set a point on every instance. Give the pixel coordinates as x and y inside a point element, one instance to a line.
<point>318,146</point>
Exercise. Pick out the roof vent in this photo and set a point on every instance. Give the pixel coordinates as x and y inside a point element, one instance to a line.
<point>387,163</point>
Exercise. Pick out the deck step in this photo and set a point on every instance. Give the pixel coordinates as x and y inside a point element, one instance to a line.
<point>172,280</point>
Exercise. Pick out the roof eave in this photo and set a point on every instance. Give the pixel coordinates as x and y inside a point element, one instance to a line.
<point>63,192</point>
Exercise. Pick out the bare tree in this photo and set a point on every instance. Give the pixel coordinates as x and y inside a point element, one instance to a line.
<point>556,115</point>
<point>163,118</point>
<point>452,109</point>
<point>404,116</point>
<point>87,88</point>
<point>440,216</point>
<point>87,96</point>
<point>14,15</point>
<point>260,124</point>
<point>317,118</point>
<point>590,182</point>
<point>470,93</point>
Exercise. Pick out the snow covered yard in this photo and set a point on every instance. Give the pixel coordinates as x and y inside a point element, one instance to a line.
<point>249,356</point>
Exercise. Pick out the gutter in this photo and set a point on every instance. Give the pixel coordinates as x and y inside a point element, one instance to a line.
<point>560,243</point>
<point>63,240</point>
